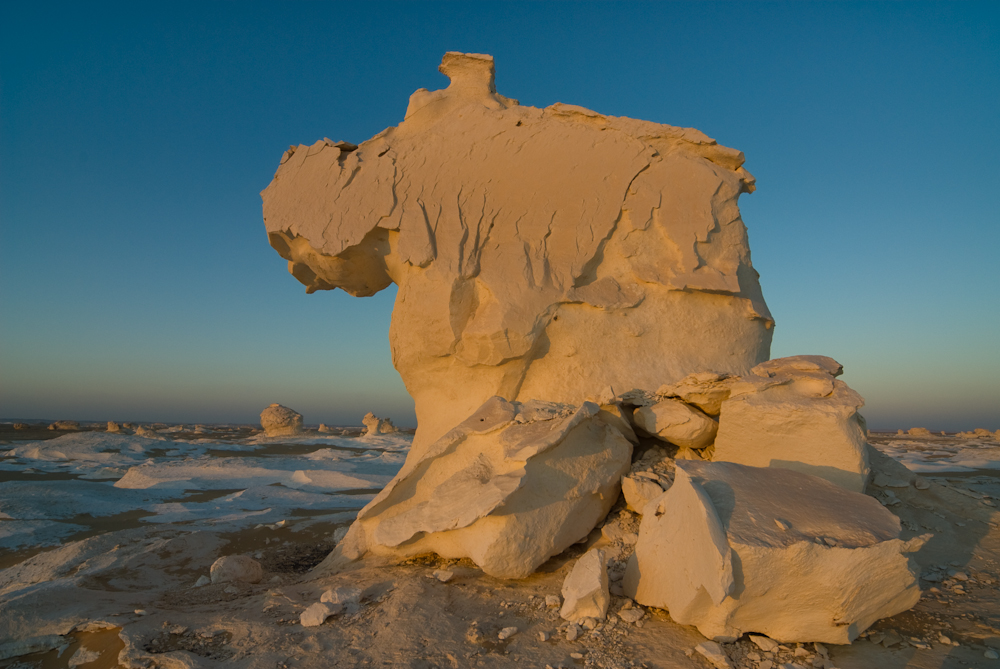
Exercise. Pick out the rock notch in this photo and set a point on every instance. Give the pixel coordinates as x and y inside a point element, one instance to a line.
<point>539,253</point>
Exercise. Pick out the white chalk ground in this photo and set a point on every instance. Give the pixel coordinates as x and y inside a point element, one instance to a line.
<point>103,536</point>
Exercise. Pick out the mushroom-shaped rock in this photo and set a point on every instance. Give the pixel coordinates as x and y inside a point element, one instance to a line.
<point>240,568</point>
<point>538,253</point>
<point>676,422</point>
<point>511,486</point>
<point>793,413</point>
<point>585,591</point>
<point>733,549</point>
<point>280,421</point>
<point>376,425</point>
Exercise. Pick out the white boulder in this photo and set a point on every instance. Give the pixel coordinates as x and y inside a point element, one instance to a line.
<point>793,413</point>
<point>114,427</point>
<point>280,421</point>
<point>639,491</point>
<point>377,425</point>
<point>239,568</point>
<point>585,591</point>
<point>568,251</point>
<point>505,493</point>
<point>733,549</point>
<point>315,615</point>
<point>676,422</point>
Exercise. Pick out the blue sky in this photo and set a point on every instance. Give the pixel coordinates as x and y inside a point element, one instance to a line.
<point>136,282</point>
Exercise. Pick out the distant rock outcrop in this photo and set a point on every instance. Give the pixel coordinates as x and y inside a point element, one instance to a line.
<point>376,425</point>
<point>280,421</point>
<point>539,253</point>
<point>65,425</point>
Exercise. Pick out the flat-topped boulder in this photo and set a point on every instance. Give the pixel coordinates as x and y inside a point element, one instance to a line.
<point>539,253</point>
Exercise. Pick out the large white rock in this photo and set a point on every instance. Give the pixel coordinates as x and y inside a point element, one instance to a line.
<point>793,413</point>
<point>676,422</point>
<point>280,421</point>
<point>239,568</point>
<point>539,253</point>
<point>734,549</point>
<point>511,486</point>
<point>585,591</point>
<point>375,425</point>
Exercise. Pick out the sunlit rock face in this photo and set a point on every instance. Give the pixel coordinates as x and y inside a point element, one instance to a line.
<point>539,253</point>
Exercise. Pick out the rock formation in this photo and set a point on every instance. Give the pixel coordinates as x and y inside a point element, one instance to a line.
<point>792,412</point>
<point>280,421</point>
<point>511,486</point>
<point>539,253</point>
<point>734,549</point>
<point>376,425</point>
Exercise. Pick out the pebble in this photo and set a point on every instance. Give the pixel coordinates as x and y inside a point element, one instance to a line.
<point>443,575</point>
<point>231,590</point>
<point>572,632</point>
<point>202,580</point>
<point>343,595</point>
<point>553,601</point>
<point>140,612</point>
<point>506,633</point>
<point>587,623</point>
<point>631,615</point>
<point>713,652</point>
<point>543,636</point>
<point>921,484</point>
<point>765,664</point>
<point>991,655</point>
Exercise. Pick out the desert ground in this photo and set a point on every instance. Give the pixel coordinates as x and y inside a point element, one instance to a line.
<point>104,537</point>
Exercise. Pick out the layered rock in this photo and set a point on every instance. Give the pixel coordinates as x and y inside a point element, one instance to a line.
<point>539,253</point>
<point>793,413</point>
<point>280,421</point>
<point>733,549</point>
<point>511,486</point>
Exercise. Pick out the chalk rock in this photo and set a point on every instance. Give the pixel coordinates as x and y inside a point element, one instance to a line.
<point>65,425</point>
<point>149,433</point>
<point>714,653</point>
<point>315,615</point>
<point>705,390</point>
<point>238,568</point>
<point>280,421</point>
<point>342,596</point>
<point>538,253</point>
<point>377,425</point>
<point>919,432</point>
<point>114,427</point>
<point>21,426</point>
<point>676,422</point>
<point>770,551</point>
<point>793,413</point>
<point>504,493</point>
<point>585,591</point>
<point>639,491</point>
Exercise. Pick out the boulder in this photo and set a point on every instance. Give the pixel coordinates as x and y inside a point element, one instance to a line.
<point>280,421</point>
<point>239,568</point>
<point>585,591</point>
<point>377,425</point>
<point>21,426</point>
<point>705,390</point>
<point>511,486</point>
<point>793,413</point>
<point>538,253</point>
<point>676,422</point>
<point>65,425</point>
<point>639,491</point>
<point>919,432</point>
<point>315,615</point>
<point>733,549</point>
<point>323,428</point>
<point>114,427</point>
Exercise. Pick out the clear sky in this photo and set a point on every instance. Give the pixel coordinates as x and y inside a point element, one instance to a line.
<point>136,282</point>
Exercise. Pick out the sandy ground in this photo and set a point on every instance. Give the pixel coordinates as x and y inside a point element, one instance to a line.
<point>126,598</point>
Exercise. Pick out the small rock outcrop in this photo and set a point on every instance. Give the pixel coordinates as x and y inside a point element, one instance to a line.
<point>239,568</point>
<point>539,253</point>
<point>280,421</point>
<point>376,425</point>
<point>772,551</point>
<point>511,486</point>
<point>65,425</point>
<point>114,427</point>
<point>794,413</point>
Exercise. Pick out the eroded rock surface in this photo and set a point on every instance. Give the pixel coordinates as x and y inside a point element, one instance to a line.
<point>734,549</point>
<point>539,253</point>
<point>511,486</point>
<point>280,421</point>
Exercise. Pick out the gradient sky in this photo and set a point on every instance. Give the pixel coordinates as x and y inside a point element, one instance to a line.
<point>136,282</point>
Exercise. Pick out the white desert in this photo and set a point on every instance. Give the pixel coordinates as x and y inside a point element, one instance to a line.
<point>608,468</point>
